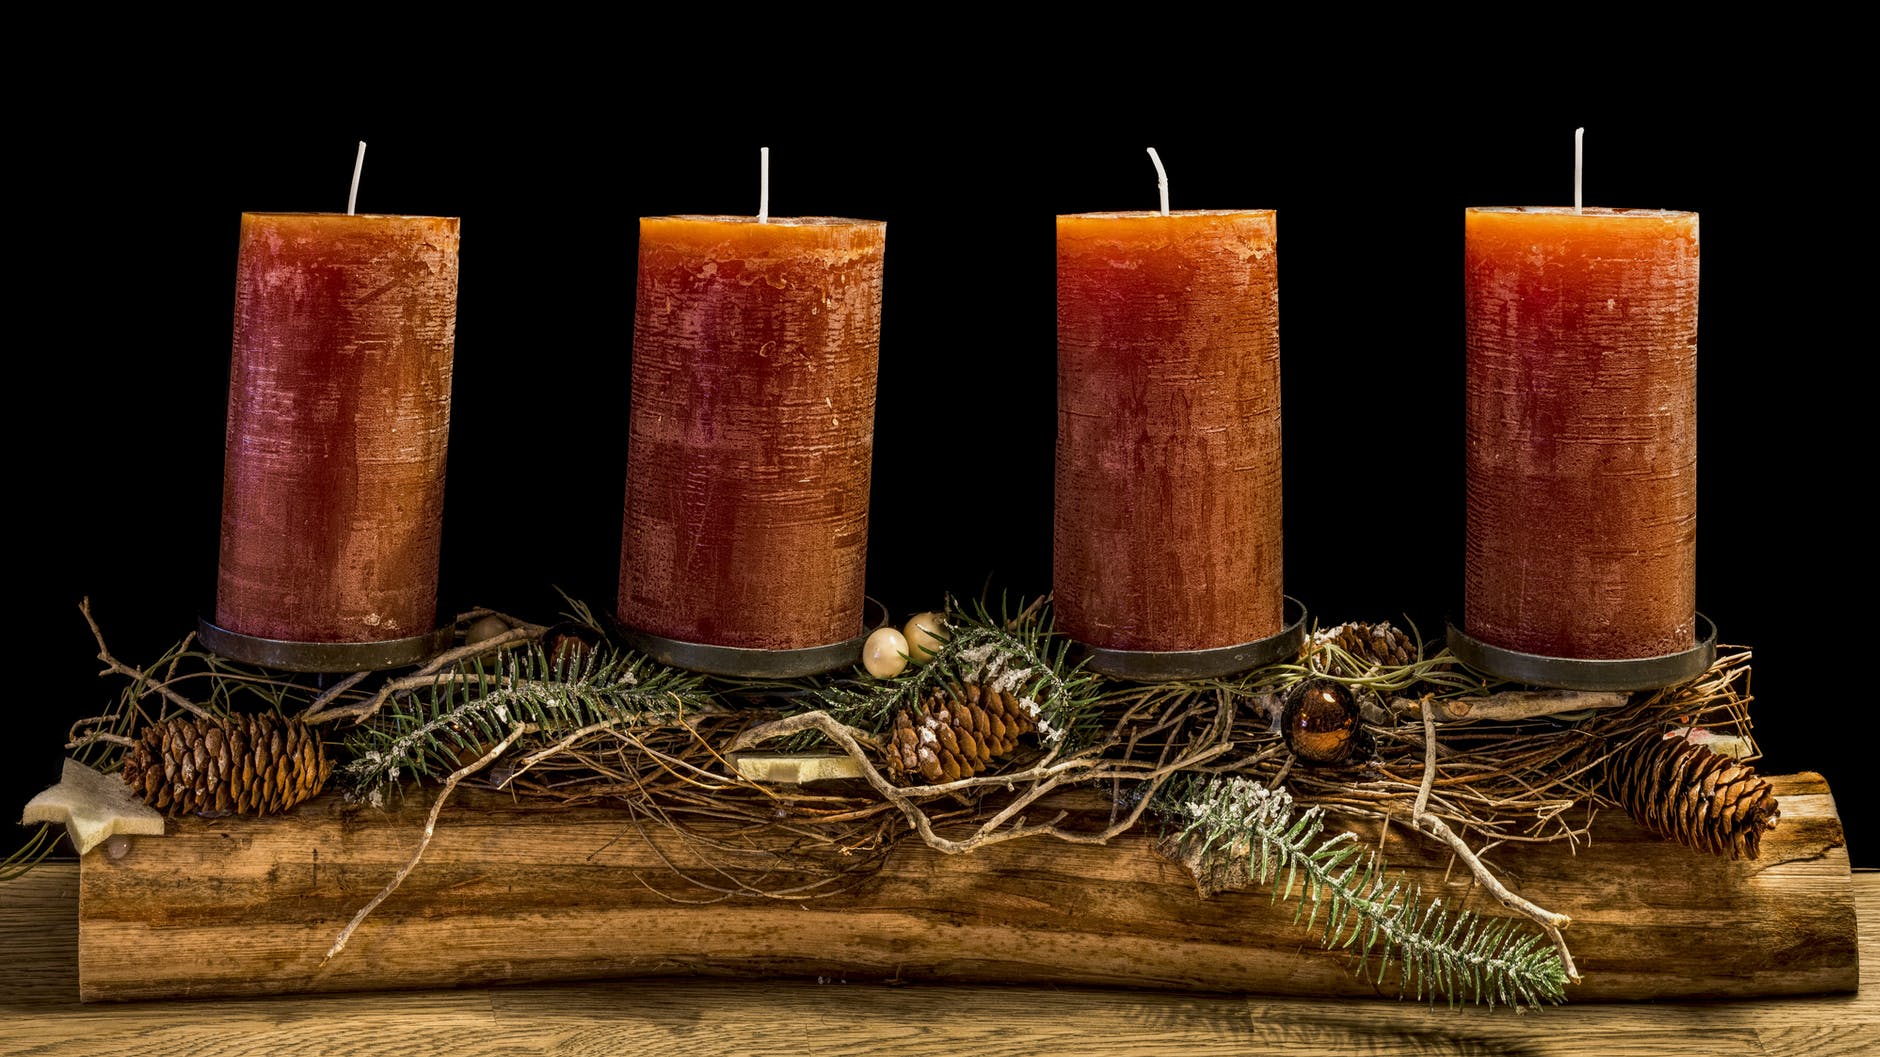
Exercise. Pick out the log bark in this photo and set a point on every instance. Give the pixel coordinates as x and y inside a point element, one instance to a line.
<point>512,892</point>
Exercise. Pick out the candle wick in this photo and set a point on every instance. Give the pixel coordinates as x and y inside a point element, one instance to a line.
<point>359,162</point>
<point>1161,178</point>
<point>1579,155</point>
<point>763,185</point>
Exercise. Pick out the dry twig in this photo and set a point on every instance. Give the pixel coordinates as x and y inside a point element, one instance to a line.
<point>430,829</point>
<point>132,672</point>
<point>427,675</point>
<point>1550,922</point>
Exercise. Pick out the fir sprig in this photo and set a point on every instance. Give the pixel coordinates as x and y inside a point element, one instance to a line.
<point>427,733</point>
<point>1018,653</point>
<point>1440,672</point>
<point>1355,904</point>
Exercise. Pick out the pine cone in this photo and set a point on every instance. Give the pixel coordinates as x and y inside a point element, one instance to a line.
<point>1688,794</point>
<point>956,732</point>
<point>1373,644</point>
<point>245,763</point>
<point>568,645</point>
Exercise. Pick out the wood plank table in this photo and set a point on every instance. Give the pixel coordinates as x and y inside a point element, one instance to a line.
<point>40,1014</point>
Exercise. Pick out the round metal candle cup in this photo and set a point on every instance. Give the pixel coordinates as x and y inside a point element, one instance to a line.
<point>322,656</point>
<point>740,663</point>
<point>751,431</point>
<point>1576,673</point>
<point>1153,666</point>
<point>338,421</point>
<point>1581,432</point>
<point>1166,534</point>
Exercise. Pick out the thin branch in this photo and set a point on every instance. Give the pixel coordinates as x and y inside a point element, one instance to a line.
<point>135,674</point>
<point>1550,922</point>
<point>1509,705</point>
<point>365,709</point>
<point>97,736</point>
<point>1029,611</point>
<point>1042,780</point>
<point>751,737</point>
<point>72,735</point>
<point>541,754</point>
<point>332,694</point>
<point>423,677</point>
<point>1429,762</point>
<point>430,828</point>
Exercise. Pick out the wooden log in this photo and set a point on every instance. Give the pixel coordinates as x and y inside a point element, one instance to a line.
<point>40,1014</point>
<point>520,892</point>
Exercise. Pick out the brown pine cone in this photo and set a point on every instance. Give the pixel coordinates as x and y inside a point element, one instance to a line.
<point>955,732</point>
<point>1685,793</point>
<point>1383,644</point>
<point>244,763</point>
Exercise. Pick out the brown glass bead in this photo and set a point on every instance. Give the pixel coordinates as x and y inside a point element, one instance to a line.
<point>1320,722</point>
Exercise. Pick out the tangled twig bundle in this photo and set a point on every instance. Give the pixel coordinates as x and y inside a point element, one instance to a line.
<point>1432,745</point>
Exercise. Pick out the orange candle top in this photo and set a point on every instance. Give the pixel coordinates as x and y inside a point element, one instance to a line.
<point>781,235</point>
<point>1556,229</point>
<point>1254,227</point>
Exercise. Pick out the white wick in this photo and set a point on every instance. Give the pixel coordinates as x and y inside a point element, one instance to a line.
<point>763,185</point>
<point>1579,155</point>
<point>359,162</point>
<point>1161,178</point>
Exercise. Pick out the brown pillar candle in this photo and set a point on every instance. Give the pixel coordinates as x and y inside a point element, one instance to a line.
<point>1167,532</point>
<point>1582,431</point>
<point>752,429</point>
<point>338,417</point>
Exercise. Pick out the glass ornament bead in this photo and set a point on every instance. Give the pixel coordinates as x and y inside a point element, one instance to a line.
<point>925,634</point>
<point>885,653</point>
<point>1320,722</point>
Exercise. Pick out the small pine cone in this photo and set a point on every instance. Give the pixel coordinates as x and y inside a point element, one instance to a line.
<point>569,647</point>
<point>955,732</point>
<point>244,763</point>
<point>1685,793</point>
<point>1373,644</point>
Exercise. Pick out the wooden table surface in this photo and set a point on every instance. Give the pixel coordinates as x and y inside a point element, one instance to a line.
<point>40,1014</point>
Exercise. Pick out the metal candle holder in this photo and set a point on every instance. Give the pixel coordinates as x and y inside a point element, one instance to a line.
<point>1579,673</point>
<point>747,663</point>
<point>322,656</point>
<point>1159,665</point>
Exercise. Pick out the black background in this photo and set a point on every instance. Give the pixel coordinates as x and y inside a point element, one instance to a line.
<point>129,247</point>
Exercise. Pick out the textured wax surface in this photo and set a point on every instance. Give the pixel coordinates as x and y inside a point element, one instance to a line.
<point>752,429</point>
<point>1582,431</point>
<point>338,420</point>
<point>1167,528</point>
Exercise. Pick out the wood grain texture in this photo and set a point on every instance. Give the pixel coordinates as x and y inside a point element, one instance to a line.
<point>512,893</point>
<point>39,918</point>
<point>40,1014</point>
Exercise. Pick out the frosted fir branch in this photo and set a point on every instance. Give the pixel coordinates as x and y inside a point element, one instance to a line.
<point>1016,655</point>
<point>373,767</point>
<point>427,732</point>
<point>1230,825</point>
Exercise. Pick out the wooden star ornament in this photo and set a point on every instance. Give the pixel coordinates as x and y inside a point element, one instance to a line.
<point>93,807</point>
